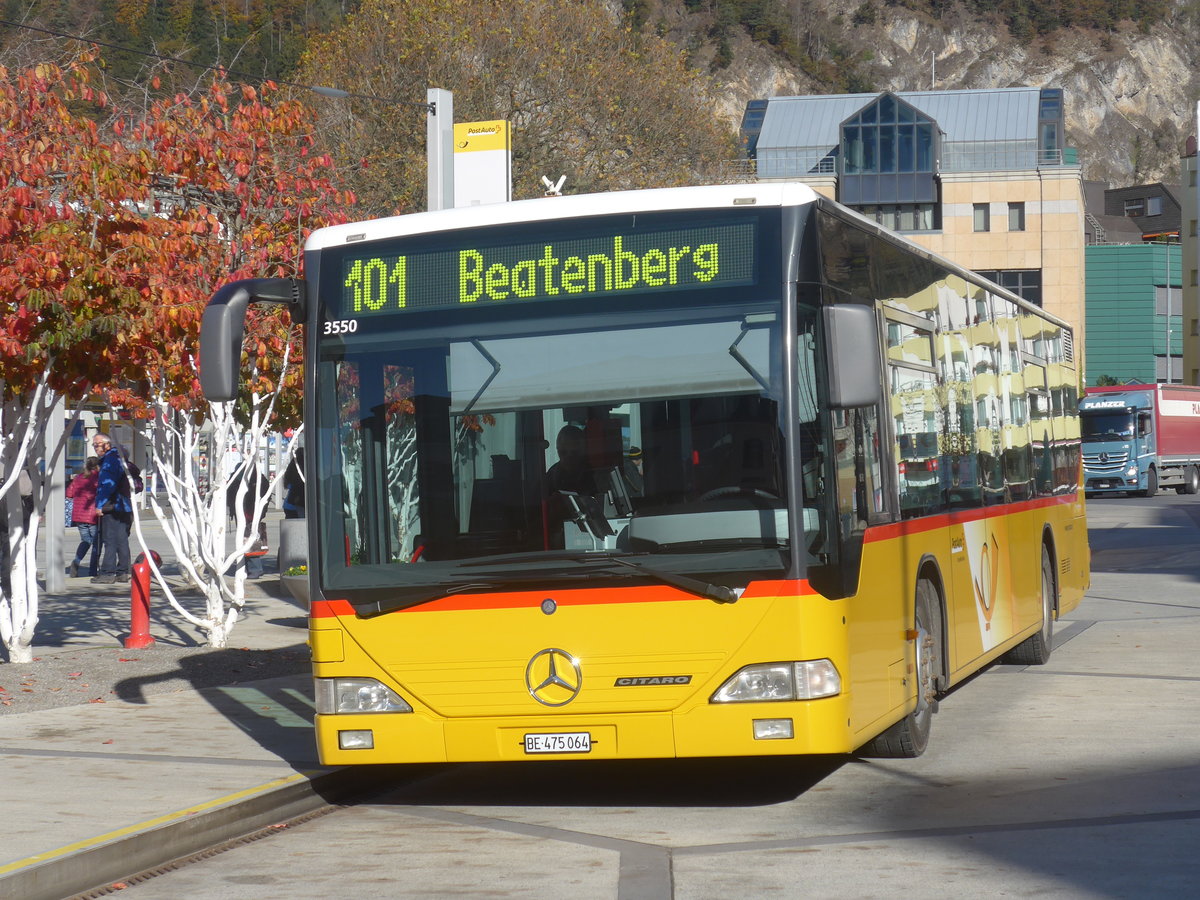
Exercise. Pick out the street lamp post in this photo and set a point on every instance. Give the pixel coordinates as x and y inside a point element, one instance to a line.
<point>1167,319</point>
<point>439,144</point>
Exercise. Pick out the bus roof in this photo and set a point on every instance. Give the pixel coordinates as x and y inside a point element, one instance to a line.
<point>566,207</point>
<point>570,206</point>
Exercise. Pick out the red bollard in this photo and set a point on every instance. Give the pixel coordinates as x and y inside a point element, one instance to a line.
<point>139,603</point>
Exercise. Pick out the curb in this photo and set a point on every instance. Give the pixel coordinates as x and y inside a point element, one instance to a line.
<point>95,863</point>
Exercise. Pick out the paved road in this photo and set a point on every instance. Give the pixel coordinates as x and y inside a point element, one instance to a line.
<point>1077,779</point>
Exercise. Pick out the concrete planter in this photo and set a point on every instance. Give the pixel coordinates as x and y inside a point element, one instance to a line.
<point>297,586</point>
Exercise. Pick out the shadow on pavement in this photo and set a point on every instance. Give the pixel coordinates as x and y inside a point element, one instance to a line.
<point>607,783</point>
<point>1114,833</point>
<point>264,693</point>
<point>100,614</point>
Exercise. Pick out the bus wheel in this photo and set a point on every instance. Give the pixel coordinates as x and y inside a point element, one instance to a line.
<point>1035,650</point>
<point>909,737</point>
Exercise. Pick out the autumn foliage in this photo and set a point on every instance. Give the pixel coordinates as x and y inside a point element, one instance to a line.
<point>236,185</point>
<point>68,233</point>
<point>587,95</point>
<point>116,228</point>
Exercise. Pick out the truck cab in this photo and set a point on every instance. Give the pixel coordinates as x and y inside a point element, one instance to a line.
<point>1118,441</point>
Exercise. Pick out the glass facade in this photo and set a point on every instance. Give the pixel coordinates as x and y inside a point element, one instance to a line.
<point>888,136</point>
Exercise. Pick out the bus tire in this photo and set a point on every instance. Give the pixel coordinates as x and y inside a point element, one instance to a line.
<point>909,737</point>
<point>1151,483</point>
<point>1035,650</point>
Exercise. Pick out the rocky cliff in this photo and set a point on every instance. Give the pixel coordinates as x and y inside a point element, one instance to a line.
<point>1130,96</point>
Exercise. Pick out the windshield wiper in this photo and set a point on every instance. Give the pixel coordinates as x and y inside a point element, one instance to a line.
<point>710,544</point>
<point>718,592</point>
<point>393,600</point>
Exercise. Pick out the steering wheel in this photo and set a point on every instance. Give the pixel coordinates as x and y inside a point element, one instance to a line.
<point>735,489</point>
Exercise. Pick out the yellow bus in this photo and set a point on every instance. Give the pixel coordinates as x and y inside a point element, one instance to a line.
<point>707,471</point>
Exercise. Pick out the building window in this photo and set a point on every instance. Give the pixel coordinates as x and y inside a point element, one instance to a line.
<point>902,216</point>
<point>1154,206</point>
<point>1050,126</point>
<point>1160,369</point>
<point>1160,300</point>
<point>983,217</point>
<point>1016,217</point>
<point>887,136</point>
<point>1025,283</point>
<point>1192,228</point>
<point>1135,207</point>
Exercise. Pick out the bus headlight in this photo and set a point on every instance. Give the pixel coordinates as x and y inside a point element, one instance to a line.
<point>356,695</point>
<point>806,680</point>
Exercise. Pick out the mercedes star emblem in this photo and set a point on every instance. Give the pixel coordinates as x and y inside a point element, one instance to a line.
<point>553,677</point>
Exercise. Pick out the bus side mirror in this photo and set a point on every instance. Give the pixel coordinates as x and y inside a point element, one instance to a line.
<point>852,339</point>
<point>224,324</point>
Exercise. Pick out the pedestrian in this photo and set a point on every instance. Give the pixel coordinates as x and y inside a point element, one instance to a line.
<point>293,487</point>
<point>244,516</point>
<point>632,471</point>
<point>114,509</point>
<point>82,492</point>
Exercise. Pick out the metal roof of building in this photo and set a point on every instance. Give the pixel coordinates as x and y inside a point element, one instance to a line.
<point>1000,114</point>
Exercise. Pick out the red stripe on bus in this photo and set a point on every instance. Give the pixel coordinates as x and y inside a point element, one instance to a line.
<point>578,597</point>
<point>962,516</point>
<point>784,588</point>
<point>327,609</point>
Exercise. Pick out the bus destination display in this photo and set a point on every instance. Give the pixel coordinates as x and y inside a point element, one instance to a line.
<point>711,256</point>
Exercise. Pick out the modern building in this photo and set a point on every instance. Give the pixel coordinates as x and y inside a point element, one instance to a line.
<point>1133,278</point>
<point>1127,322</point>
<point>1191,263</point>
<point>1154,209</point>
<point>982,177</point>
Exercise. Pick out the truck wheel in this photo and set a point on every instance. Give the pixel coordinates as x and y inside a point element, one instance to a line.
<point>909,737</point>
<point>1035,650</point>
<point>1191,481</point>
<point>1151,483</point>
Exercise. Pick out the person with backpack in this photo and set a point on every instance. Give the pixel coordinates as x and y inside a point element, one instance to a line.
<point>114,508</point>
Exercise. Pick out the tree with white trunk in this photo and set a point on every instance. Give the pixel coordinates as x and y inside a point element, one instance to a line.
<point>115,229</point>
<point>194,513</point>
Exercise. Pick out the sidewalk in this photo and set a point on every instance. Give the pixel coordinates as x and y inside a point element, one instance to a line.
<point>133,757</point>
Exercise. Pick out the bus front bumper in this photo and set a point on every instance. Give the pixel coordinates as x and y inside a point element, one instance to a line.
<point>749,729</point>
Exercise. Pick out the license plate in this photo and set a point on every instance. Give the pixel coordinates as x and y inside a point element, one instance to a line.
<point>559,742</point>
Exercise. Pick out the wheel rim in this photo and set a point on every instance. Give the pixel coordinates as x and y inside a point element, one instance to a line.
<point>926,666</point>
<point>1047,602</point>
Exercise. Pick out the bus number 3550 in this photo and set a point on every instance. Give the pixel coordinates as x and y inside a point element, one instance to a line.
<point>341,326</point>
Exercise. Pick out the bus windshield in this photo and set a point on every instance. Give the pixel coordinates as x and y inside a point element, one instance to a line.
<point>473,460</point>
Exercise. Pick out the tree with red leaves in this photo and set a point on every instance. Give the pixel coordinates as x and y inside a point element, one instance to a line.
<point>112,238</point>
<point>237,187</point>
<point>71,239</point>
